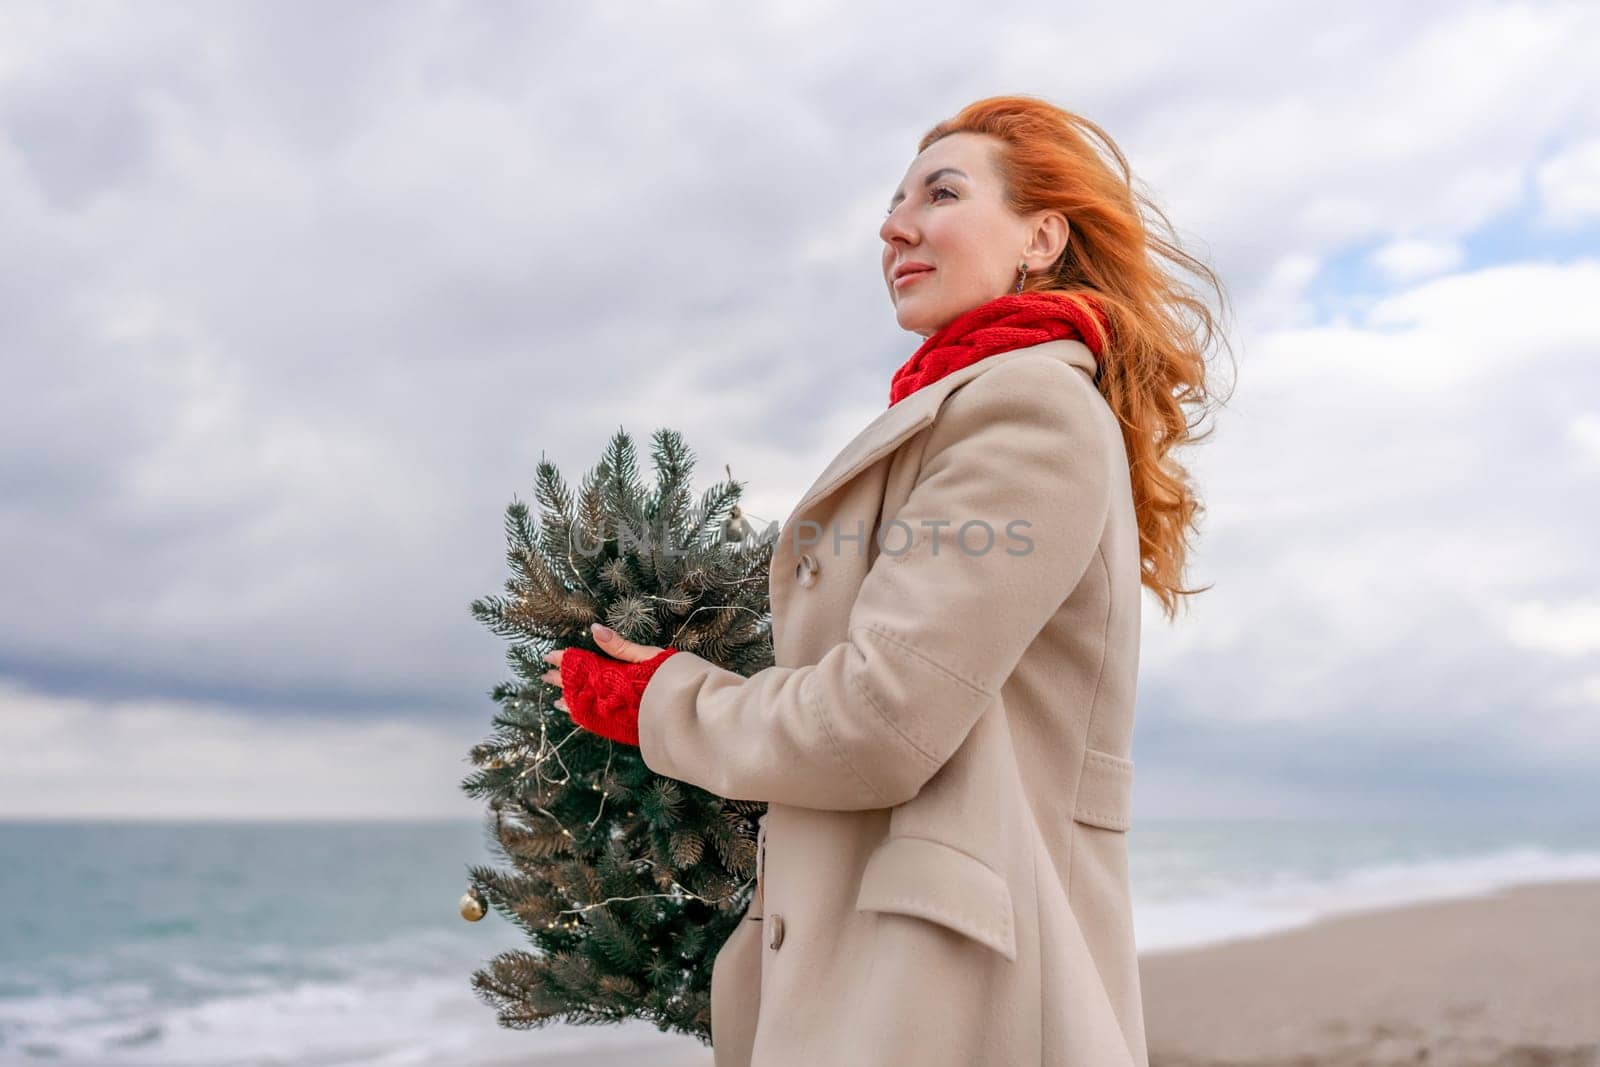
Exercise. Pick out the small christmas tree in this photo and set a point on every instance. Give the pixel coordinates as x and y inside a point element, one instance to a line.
<point>626,882</point>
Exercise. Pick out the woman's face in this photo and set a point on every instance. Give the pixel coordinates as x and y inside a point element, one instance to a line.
<point>948,216</point>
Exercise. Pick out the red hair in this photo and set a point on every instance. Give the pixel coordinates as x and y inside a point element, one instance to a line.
<point>1153,365</point>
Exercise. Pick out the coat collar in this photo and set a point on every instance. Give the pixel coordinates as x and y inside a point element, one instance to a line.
<point>897,423</point>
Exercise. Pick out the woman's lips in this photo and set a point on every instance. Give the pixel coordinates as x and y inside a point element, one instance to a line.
<point>911,276</point>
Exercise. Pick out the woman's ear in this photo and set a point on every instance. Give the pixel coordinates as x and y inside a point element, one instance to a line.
<point>1049,239</point>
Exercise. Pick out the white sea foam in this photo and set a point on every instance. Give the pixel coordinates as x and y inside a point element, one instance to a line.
<point>1166,917</point>
<point>426,1020</point>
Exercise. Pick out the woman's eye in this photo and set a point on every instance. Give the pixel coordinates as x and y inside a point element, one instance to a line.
<point>933,195</point>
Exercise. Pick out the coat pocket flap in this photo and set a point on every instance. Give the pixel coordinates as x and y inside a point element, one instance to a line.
<point>1105,791</point>
<point>926,878</point>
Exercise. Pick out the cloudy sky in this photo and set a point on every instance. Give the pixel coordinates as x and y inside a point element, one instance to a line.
<point>294,297</point>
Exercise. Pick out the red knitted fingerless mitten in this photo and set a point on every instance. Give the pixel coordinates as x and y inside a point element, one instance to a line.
<point>602,694</point>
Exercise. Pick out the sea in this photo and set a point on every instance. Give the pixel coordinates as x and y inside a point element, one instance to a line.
<point>257,943</point>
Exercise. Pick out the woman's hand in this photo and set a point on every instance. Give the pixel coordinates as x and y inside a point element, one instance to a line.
<point>606,687</point>
<point>611,643</point>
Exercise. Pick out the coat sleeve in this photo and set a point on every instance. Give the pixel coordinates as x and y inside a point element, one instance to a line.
<point>934,630</point>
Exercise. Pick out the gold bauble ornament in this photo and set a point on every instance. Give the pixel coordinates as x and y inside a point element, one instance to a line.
<point>736,527</point>
<point>473,906</point>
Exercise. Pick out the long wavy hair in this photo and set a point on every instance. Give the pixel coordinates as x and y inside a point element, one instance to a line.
<point>1153,367</point>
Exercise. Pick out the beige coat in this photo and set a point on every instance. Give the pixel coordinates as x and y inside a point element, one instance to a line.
<point>943,742</point>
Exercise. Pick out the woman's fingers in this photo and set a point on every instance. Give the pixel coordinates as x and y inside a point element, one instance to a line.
<point>612,644</point>
<point>618,647</point>
<point>553,676</point>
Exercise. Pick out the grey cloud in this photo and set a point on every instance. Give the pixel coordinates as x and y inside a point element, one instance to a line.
<point>292,299</point>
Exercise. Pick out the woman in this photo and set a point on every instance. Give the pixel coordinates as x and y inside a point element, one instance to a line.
<point>943,740</point>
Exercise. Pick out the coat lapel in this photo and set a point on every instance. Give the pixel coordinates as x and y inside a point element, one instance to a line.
<point>897,424</point>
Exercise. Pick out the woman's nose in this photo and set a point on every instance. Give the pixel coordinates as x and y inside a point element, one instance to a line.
<point>894,229</point>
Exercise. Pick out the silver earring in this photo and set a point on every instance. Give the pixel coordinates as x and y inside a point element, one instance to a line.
<point>1024,277</point>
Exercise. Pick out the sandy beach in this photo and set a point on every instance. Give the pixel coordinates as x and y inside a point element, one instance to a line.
<point>1510,979</point>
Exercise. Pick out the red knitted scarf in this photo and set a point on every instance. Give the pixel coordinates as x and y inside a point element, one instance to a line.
<point>1016,320</point>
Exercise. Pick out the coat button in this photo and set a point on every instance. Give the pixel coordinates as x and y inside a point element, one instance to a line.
<point>805,571</point>
<point>776,921</point>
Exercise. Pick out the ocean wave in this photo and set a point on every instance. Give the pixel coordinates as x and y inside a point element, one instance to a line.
<point>1220,908</point>
<point>429,1020</point>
